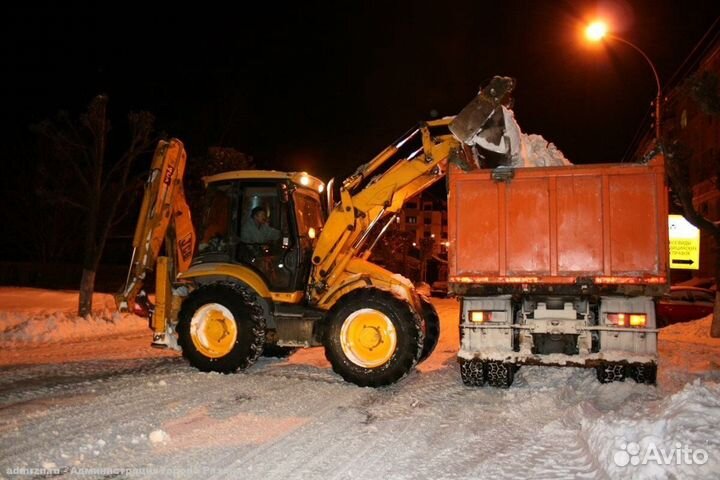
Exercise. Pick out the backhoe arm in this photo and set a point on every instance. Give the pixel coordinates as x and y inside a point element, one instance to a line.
<point>164,218</point>
<point>365,200</point>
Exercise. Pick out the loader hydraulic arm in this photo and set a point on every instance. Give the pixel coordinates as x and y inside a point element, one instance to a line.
<point>361,208</point>
<point>164,218</point>
<point>367,200</point>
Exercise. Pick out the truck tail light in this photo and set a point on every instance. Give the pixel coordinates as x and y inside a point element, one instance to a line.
<point>480,316</point>
<point>627,319</point>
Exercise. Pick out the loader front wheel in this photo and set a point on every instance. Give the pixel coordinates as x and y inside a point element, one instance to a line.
<point>373,338</point>
<point>221,328</point>
<point>431,323</point>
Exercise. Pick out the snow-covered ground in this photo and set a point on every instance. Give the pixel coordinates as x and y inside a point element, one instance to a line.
<point>88,398</point>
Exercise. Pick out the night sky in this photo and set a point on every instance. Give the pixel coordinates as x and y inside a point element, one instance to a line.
<point>323,87</point>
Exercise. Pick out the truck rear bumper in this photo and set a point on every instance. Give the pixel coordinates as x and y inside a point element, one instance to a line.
<point>531,333</point>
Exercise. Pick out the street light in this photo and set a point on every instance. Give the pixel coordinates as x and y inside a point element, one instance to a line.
<point>598,30</point>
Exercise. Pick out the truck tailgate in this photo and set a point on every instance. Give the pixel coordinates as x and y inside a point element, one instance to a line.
<point>600,224</point>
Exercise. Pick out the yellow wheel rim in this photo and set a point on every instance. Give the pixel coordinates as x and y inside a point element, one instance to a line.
<point>368,338</point>
<point>213,330</point>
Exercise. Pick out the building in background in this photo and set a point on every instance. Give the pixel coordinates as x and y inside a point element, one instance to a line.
<point>688,116</point>
<point>425,217</point>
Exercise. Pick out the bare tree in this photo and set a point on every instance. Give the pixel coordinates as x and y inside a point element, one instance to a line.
<point>704,89</point>
<point>91,180</point>
<point>39,229</point>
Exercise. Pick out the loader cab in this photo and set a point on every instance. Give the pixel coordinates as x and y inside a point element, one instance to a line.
<point>266,221</point>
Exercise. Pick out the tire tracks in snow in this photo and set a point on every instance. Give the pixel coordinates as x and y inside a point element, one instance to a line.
<point>317,405</point>
<point>120,402</point>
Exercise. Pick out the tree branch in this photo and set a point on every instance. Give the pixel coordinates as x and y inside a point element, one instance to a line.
<point>678,172</point>
<point>60,198</point>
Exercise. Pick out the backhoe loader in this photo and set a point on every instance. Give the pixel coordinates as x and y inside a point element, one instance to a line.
<point>301,277</point>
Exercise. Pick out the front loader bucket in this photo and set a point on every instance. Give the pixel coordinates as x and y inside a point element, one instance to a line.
<point>471,120</point>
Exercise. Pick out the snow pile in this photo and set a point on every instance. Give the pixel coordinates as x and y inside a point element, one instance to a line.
<point>686,352</point>
<point>675,438</point>
<point>538,152</point>
<point>522,149</point>
<point>31,316</point>
<point>696,331</point>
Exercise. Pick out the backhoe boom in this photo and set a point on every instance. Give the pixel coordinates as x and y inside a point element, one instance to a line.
<point>164,214</point>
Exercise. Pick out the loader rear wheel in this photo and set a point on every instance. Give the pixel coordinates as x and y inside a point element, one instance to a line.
<point>431,324</point>
<point>372,337</point>
<point>221,328</point>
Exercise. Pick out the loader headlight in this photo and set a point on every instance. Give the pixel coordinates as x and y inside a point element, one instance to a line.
<point>627,319</point>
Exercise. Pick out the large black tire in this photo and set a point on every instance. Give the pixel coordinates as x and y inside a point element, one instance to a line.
<point>409,335</point>
<point>472,372</point>
<point>249,324</point>
<point>644,373</point>
<point>431,324</point>
<point>612,372</point>
<point>499,374</point>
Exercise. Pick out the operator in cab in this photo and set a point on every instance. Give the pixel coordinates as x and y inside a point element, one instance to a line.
<point>261,245</point>
<point>257,231</point>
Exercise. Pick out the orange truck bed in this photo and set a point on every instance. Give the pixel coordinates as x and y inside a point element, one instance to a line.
<point>602,226</point>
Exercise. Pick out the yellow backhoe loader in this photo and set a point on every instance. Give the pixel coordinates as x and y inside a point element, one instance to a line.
<point>271,268</point>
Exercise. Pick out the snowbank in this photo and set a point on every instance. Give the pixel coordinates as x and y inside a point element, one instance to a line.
<point>33,316</point>
<point>696,331</point>
<point>675,438</point>
<point>68,407</point>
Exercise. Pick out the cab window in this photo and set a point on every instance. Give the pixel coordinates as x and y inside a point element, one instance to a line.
<point>215,221</point>
<point>309,214</point>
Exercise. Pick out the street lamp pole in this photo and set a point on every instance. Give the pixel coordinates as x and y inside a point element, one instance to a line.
<point>597,31</point>
<point>658,98</point>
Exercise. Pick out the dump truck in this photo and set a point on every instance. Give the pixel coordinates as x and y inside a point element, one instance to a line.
<point>558,266</point>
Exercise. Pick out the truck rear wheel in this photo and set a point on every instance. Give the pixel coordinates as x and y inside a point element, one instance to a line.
<point>472,373</point>
<point>499,374</point>
<point>431,324</point>
<point>221,328</point>
<point>611,372</point>
<point>372,337</point>
<point>644,373</point>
